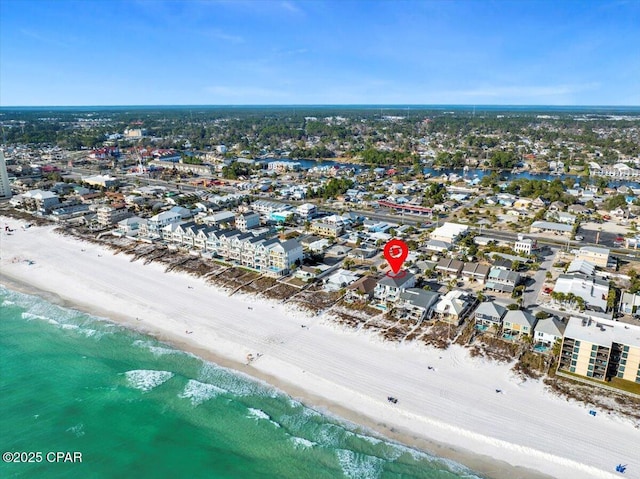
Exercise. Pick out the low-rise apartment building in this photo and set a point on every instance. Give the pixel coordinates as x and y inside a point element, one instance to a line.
<point>601,349</point>
<point>594,255</point>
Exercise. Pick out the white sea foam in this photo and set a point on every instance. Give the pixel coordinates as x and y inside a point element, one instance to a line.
<point>359,466</point>
<point>7,302</point>
<point>69,326</point>
<point>300,442</point>
<point>329,435</point>
<point>155,350</point>
<point>236,383</point>
<point>77,430</point>
<point>30,316</point>
<point>200,392</point>
<point>90,332</point>
<point>146,379</point>
<point>260,414</point>
<point>370,439</point>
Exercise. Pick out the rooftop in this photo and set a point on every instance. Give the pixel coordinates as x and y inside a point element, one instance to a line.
<point>603,332</point>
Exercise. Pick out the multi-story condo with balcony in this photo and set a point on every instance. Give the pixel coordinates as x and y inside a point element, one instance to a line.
<point>601,349</point>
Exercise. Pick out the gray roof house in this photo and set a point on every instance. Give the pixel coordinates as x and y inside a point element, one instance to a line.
<point>451,267</point>
<point>548,331</point>
<point>390,287</point>
<point>488,314</point>
<point>418,303</point>
<point>475,271</point>
<point>518,323</point>
<point>502,280</point>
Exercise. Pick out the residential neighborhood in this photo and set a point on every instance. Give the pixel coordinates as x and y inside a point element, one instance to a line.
<point>516,260</point>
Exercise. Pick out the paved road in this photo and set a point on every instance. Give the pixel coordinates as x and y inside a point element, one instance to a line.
<point>533,291</point>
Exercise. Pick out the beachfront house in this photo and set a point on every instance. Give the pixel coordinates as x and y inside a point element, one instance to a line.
<point>152,229</point>
<point>40,201</point>
<point>340,279</point>
<point>361,290</point>
<point>517,323</point>
<point>129,226</point>
<point>109,215</point>
<point>283,256</point>
<point>547,331</point>
<point>416,304</point>
<point>453,307</point>
<point>389,287</point>
<point>489,314</point>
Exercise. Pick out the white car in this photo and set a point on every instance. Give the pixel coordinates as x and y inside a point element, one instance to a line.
<point>579,238</point>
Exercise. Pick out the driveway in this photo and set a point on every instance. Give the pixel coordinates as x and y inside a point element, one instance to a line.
<point>533,290</point>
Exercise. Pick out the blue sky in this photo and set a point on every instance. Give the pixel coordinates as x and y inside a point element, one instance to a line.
<point>109,52</point>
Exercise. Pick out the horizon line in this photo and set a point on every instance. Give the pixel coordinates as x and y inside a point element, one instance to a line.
<point>298,105</point>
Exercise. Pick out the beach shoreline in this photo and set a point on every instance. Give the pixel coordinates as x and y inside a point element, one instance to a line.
<point>487,466</point>
<point>278,367</point>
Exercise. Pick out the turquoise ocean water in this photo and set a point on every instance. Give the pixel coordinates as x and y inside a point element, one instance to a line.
<point>135,407</point>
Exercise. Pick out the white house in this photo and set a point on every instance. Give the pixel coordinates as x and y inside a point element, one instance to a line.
<point>390,287</point>
<point>154,225</point>
<point>524,245</point>
<point>340,279</point>
<point>247,220</point>
<point>307,211</point>
<point>129,226</point>
<point>548,331</point>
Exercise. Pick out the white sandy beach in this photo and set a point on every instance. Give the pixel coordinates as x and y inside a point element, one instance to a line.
<point>455,403</point>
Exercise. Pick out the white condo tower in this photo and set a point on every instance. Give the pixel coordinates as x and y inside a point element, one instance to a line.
<point>5,188</point>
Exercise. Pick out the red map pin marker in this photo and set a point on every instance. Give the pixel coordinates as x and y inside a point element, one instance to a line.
<point>395,252</point>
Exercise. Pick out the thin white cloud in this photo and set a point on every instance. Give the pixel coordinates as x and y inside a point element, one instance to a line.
<point>291,7</point>
<point>222,35</point>
<point>43,38</point>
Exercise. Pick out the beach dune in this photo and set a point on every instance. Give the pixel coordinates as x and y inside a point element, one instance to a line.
<point>443,396</point>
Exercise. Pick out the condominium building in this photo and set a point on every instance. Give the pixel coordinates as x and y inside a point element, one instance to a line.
<point>40,200</point>
<point>108,215</point>
<point>5,188</point>
<point>601,349</point>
